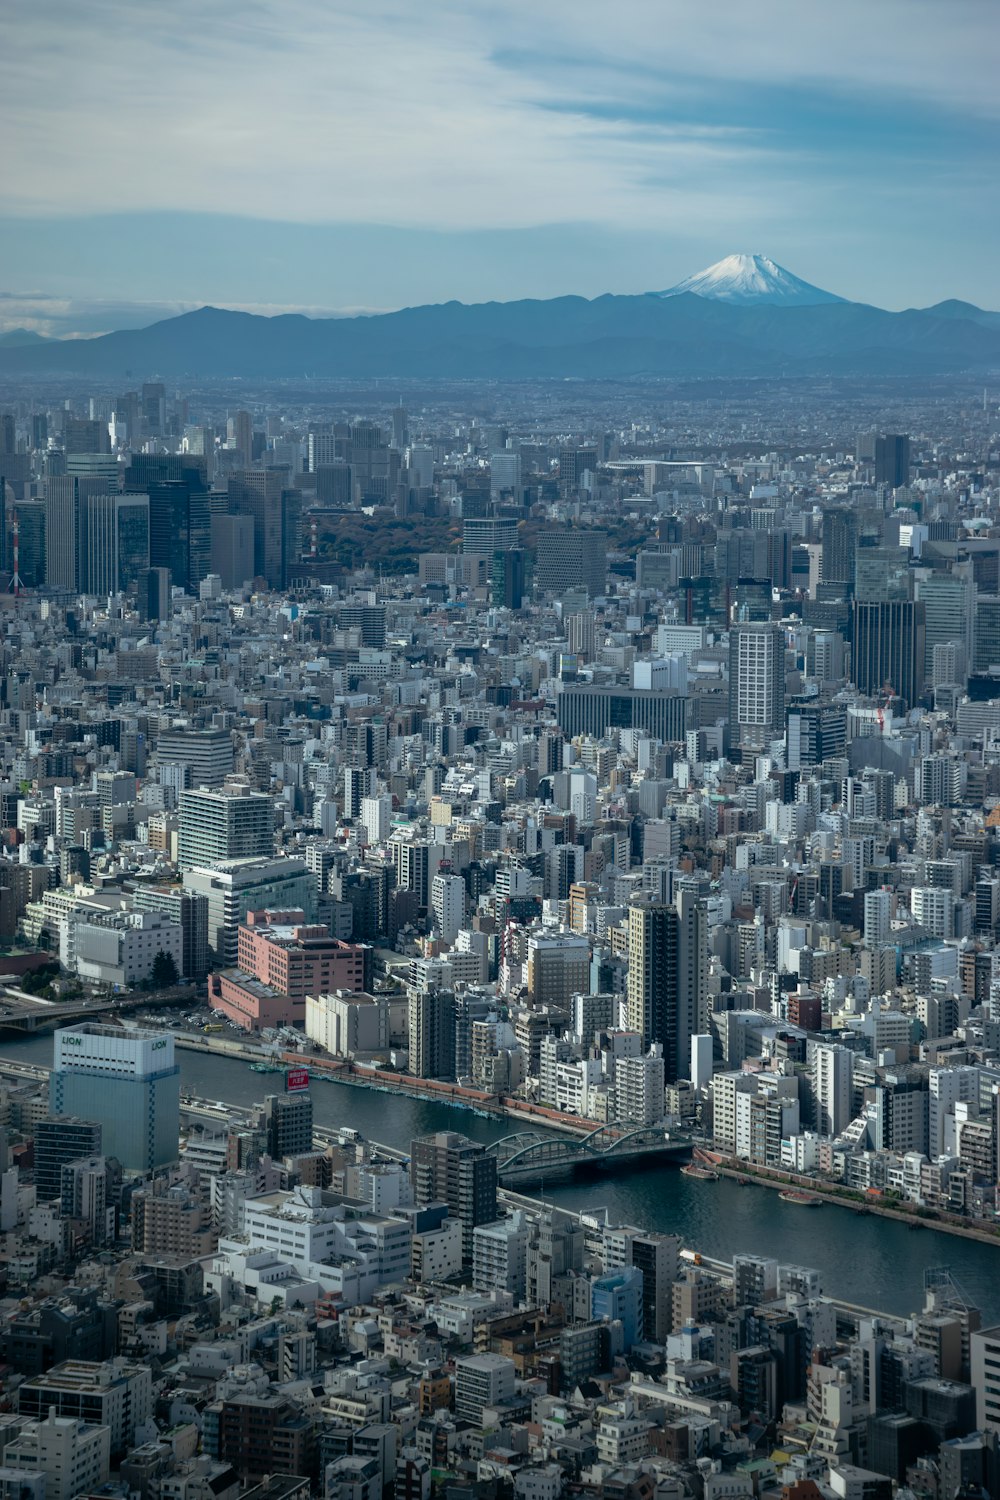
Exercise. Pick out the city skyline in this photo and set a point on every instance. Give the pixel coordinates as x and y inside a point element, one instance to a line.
<point>366,159</point>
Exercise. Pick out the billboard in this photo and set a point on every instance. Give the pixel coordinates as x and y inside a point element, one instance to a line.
<point>296,1079</point>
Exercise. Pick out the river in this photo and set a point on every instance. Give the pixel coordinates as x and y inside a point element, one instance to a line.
<point>865,1260</point>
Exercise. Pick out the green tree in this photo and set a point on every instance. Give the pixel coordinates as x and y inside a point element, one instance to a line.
<point>164,972</point>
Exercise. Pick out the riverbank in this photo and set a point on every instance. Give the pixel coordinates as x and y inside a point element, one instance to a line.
<point>855,1202</point>
<point>431,1091</point>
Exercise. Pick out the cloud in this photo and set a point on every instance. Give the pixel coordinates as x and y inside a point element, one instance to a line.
<point>453,115</point>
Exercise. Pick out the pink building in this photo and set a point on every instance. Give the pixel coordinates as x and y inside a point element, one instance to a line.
<point>281,960</point>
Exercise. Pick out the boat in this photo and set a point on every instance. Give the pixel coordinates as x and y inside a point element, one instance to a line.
<point>792,1195</point>
<point>263,1067</point>
<point>703,1174</point>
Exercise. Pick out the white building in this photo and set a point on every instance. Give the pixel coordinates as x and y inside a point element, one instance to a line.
<point>348,1022</point>
<point>73,1456</point>
<point>499,1255</point>
<point>376,815</point>
<point>120,949</point>
<point>448,905</point>
<point>833,1072</point>
<point>639,1087</point>
<point>482,1380</point>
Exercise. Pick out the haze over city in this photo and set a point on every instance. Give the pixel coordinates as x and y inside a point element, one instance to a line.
<point>499,751</point>
<point>334,157</point>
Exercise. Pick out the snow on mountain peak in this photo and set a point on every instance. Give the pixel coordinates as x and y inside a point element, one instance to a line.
<point>751,279</point>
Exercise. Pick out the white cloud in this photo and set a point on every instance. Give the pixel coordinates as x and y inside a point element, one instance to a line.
<point>385,112</point>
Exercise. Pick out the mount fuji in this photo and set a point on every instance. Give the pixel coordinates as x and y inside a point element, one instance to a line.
<point>749,280</point>
<point>745,316</point>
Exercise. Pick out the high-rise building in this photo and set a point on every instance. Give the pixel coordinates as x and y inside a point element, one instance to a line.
<point>485,535</point>
<point>276,511</point>
<point>179,513</point>
<point>59,1140</point>
<point>667,971</point>
<point>892,460</point>
<point>232,550</point>
<point>833,1072</point>
<point>756,684</point>
<point>359,782</point>
<point>840,533</point>
<point>448,905</point>
<point>449,1168</point>
<point>231,823</point>
<point>125,1081</point>
<point>571,558</point>
<point>208,753</point>
<point>888,648</point>
<point>431,1033</point>
<point>234,887</point>
<point>114,532</point>
<point>288,1120</point>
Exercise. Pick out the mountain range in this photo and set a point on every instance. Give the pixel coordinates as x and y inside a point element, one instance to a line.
<point>745,316</point>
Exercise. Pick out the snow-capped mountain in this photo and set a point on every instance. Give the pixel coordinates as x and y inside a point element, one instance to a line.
<point>751,279</point>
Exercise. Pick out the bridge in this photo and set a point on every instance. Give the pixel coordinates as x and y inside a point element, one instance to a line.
<point>527,1157</point>
<point>20,1011</point>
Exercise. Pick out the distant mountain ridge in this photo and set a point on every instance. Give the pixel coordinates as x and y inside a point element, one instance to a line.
<point>750,317</point>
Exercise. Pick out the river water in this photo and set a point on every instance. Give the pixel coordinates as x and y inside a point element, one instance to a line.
<point>865,1260</point>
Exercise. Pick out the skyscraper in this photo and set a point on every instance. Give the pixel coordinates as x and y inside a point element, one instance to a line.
<point>125,1081</point>
<point>114,533</point>
<point>892,460</point>
<point>888,648</point>
<point>179,513</point>
<point>276,510</point>
<point>840,533</point>
<point>667,961</point>
<point>756,684</point>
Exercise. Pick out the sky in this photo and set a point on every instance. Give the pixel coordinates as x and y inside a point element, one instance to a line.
<point>335,156</point>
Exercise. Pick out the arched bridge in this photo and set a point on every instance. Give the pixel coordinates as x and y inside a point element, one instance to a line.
<point>528,1157</point>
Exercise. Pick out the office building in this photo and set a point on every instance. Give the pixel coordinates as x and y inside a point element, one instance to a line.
<point>276,512</point>
<point>568,558</point>
<point>189,911</point>
<point>288,1119</point>
<point>667,977</point>
<point>206,753</point>
<point>486,535</point>
<point>235,887</point>
<point>232,556</point>
<point>756,685</point>
<point>481,1381</point>
<point>840,534</point>
<point>180,514</point>
<point>58,1140</point>
<point>231,823</point>
<point>449,1168</point>
<point>892,460</point>
<point>125,1081</point>
<point>586,708</point>
<point>360,783</point>
<point>888,648</point>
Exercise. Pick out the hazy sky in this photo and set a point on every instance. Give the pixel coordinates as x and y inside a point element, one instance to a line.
<point>343,154</point>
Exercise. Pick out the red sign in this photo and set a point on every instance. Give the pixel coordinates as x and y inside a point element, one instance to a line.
<point>296,1079</point>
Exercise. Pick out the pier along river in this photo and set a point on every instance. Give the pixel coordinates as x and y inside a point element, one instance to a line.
<point>866,1260</point>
